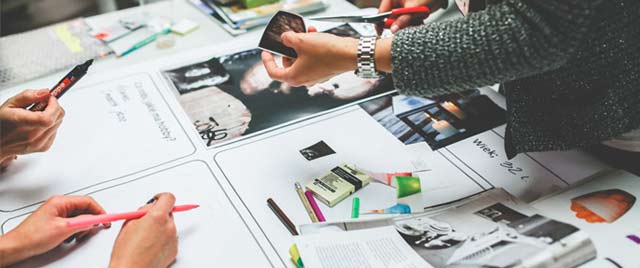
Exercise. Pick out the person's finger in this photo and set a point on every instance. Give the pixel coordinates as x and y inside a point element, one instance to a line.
<point>53,110</point>
<point>291,39</point>
<point>272,68</point>
<point>164,204</point>
<point>287,62</point>
<point>385,5</point>
<point>27,97</point>
<point>312,29</point>
<point>82,205</point>
<point>49,142</point>
<point>400,23</point>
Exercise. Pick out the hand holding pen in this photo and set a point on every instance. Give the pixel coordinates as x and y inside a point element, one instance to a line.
<point>150,241</point>
<point>23,131</point>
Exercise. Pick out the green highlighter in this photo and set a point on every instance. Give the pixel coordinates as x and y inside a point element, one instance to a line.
<point>355,208</point>
<point>257,3</point>
<point>145,42</point>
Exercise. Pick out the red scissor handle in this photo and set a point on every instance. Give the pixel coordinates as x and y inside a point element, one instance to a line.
<point>395,13</point>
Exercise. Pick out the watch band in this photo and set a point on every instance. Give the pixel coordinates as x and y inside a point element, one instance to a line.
<point>366,60</point>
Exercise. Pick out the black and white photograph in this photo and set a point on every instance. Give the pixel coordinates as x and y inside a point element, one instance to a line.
<point>280,23</point>
<point>440,120</point>
<point>235,96</point>
<point>502,237</point>
<point>316,151</point>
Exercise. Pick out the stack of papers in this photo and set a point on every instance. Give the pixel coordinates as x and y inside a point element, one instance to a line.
<point>237,19</point>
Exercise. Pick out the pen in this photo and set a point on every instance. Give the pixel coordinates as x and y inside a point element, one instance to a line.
<point>145,42</point>
<point>305,203</point>
<point>86,221</point>
<point>65,84</point>
<point>314,206</point>
<point>283,218</point>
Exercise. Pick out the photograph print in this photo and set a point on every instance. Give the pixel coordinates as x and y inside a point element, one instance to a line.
<point>440,120</point>
<point>499,237</point>
<point>232,96</point>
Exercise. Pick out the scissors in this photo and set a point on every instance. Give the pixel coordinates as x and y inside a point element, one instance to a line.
<point>385,19</point>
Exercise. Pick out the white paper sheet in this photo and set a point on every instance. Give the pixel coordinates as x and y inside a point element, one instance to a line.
<point>212,235</point>
<point>269,166</point>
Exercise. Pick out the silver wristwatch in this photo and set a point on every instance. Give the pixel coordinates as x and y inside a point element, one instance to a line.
<point>366,61</point>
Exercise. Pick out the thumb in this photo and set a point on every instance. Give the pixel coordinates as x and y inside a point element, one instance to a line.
<point>290,39</point>
<point>27,97</point>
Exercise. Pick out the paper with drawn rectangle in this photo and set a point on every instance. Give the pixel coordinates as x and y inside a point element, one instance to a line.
<point>209,236</point>
<point>111,129</point>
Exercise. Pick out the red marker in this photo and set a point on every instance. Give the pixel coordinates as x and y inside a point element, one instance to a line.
<point>65,84</point>
<point>91,220</point>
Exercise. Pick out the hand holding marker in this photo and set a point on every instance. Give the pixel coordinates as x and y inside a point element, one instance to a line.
<point>64,85</point>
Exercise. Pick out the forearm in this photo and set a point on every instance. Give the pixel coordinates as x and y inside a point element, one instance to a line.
<point>511,39</point>
<point>11,250</point>
<point>383,55</point>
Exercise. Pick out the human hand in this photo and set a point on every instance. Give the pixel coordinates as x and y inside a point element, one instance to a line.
<point>320,57</point>
<point>47,228</point>
<point>6,161</point>
<point>345,86</point>
<point>404,21</point>
<point>150,241</point>
<point>23,131</point>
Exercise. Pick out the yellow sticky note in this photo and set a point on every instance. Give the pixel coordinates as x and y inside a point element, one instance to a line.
<point>72,42</point>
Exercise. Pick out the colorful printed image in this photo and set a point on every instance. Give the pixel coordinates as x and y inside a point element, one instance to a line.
<point>440,120</point>
<point>232,96</point>
<point>602,206</point>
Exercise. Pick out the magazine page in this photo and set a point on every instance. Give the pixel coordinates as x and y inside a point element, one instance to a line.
<point>374,247</point>
<point>606,208</point>
<point>492,229</point>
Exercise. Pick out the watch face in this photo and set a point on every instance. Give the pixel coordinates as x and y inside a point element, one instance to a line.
<point>280,23</point>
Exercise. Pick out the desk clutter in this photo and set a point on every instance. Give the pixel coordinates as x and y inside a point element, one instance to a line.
<point>345,173</point>
<point>238,17</point>
<point>26,56</point>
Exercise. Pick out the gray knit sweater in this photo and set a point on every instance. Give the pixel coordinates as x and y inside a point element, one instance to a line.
<point>571,68</point>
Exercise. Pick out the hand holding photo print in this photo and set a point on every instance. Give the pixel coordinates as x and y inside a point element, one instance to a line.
<point>280,23</point>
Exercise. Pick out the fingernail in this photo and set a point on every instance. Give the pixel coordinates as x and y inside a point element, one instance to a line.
<point>151,200</point>
<point>394,28</point>
<point>42,93</point>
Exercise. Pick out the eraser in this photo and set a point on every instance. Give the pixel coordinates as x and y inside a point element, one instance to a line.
<point>338,184</point>
<point>184,27</point>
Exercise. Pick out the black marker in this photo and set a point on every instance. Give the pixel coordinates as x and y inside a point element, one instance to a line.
<point>65,84</point>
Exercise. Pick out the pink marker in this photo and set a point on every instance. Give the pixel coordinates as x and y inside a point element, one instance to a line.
<point>314,206</point>
<point>91,220</point>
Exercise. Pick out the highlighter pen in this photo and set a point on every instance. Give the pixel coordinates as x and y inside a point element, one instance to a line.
<point>86,221</point>
<point>355,208</point>
<point>305,203</point>
<point>64,85</point>
<point>314,206</point>
<point>145,41</point>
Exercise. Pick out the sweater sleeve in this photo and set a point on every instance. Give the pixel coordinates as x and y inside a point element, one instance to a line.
<point>509,39</point>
